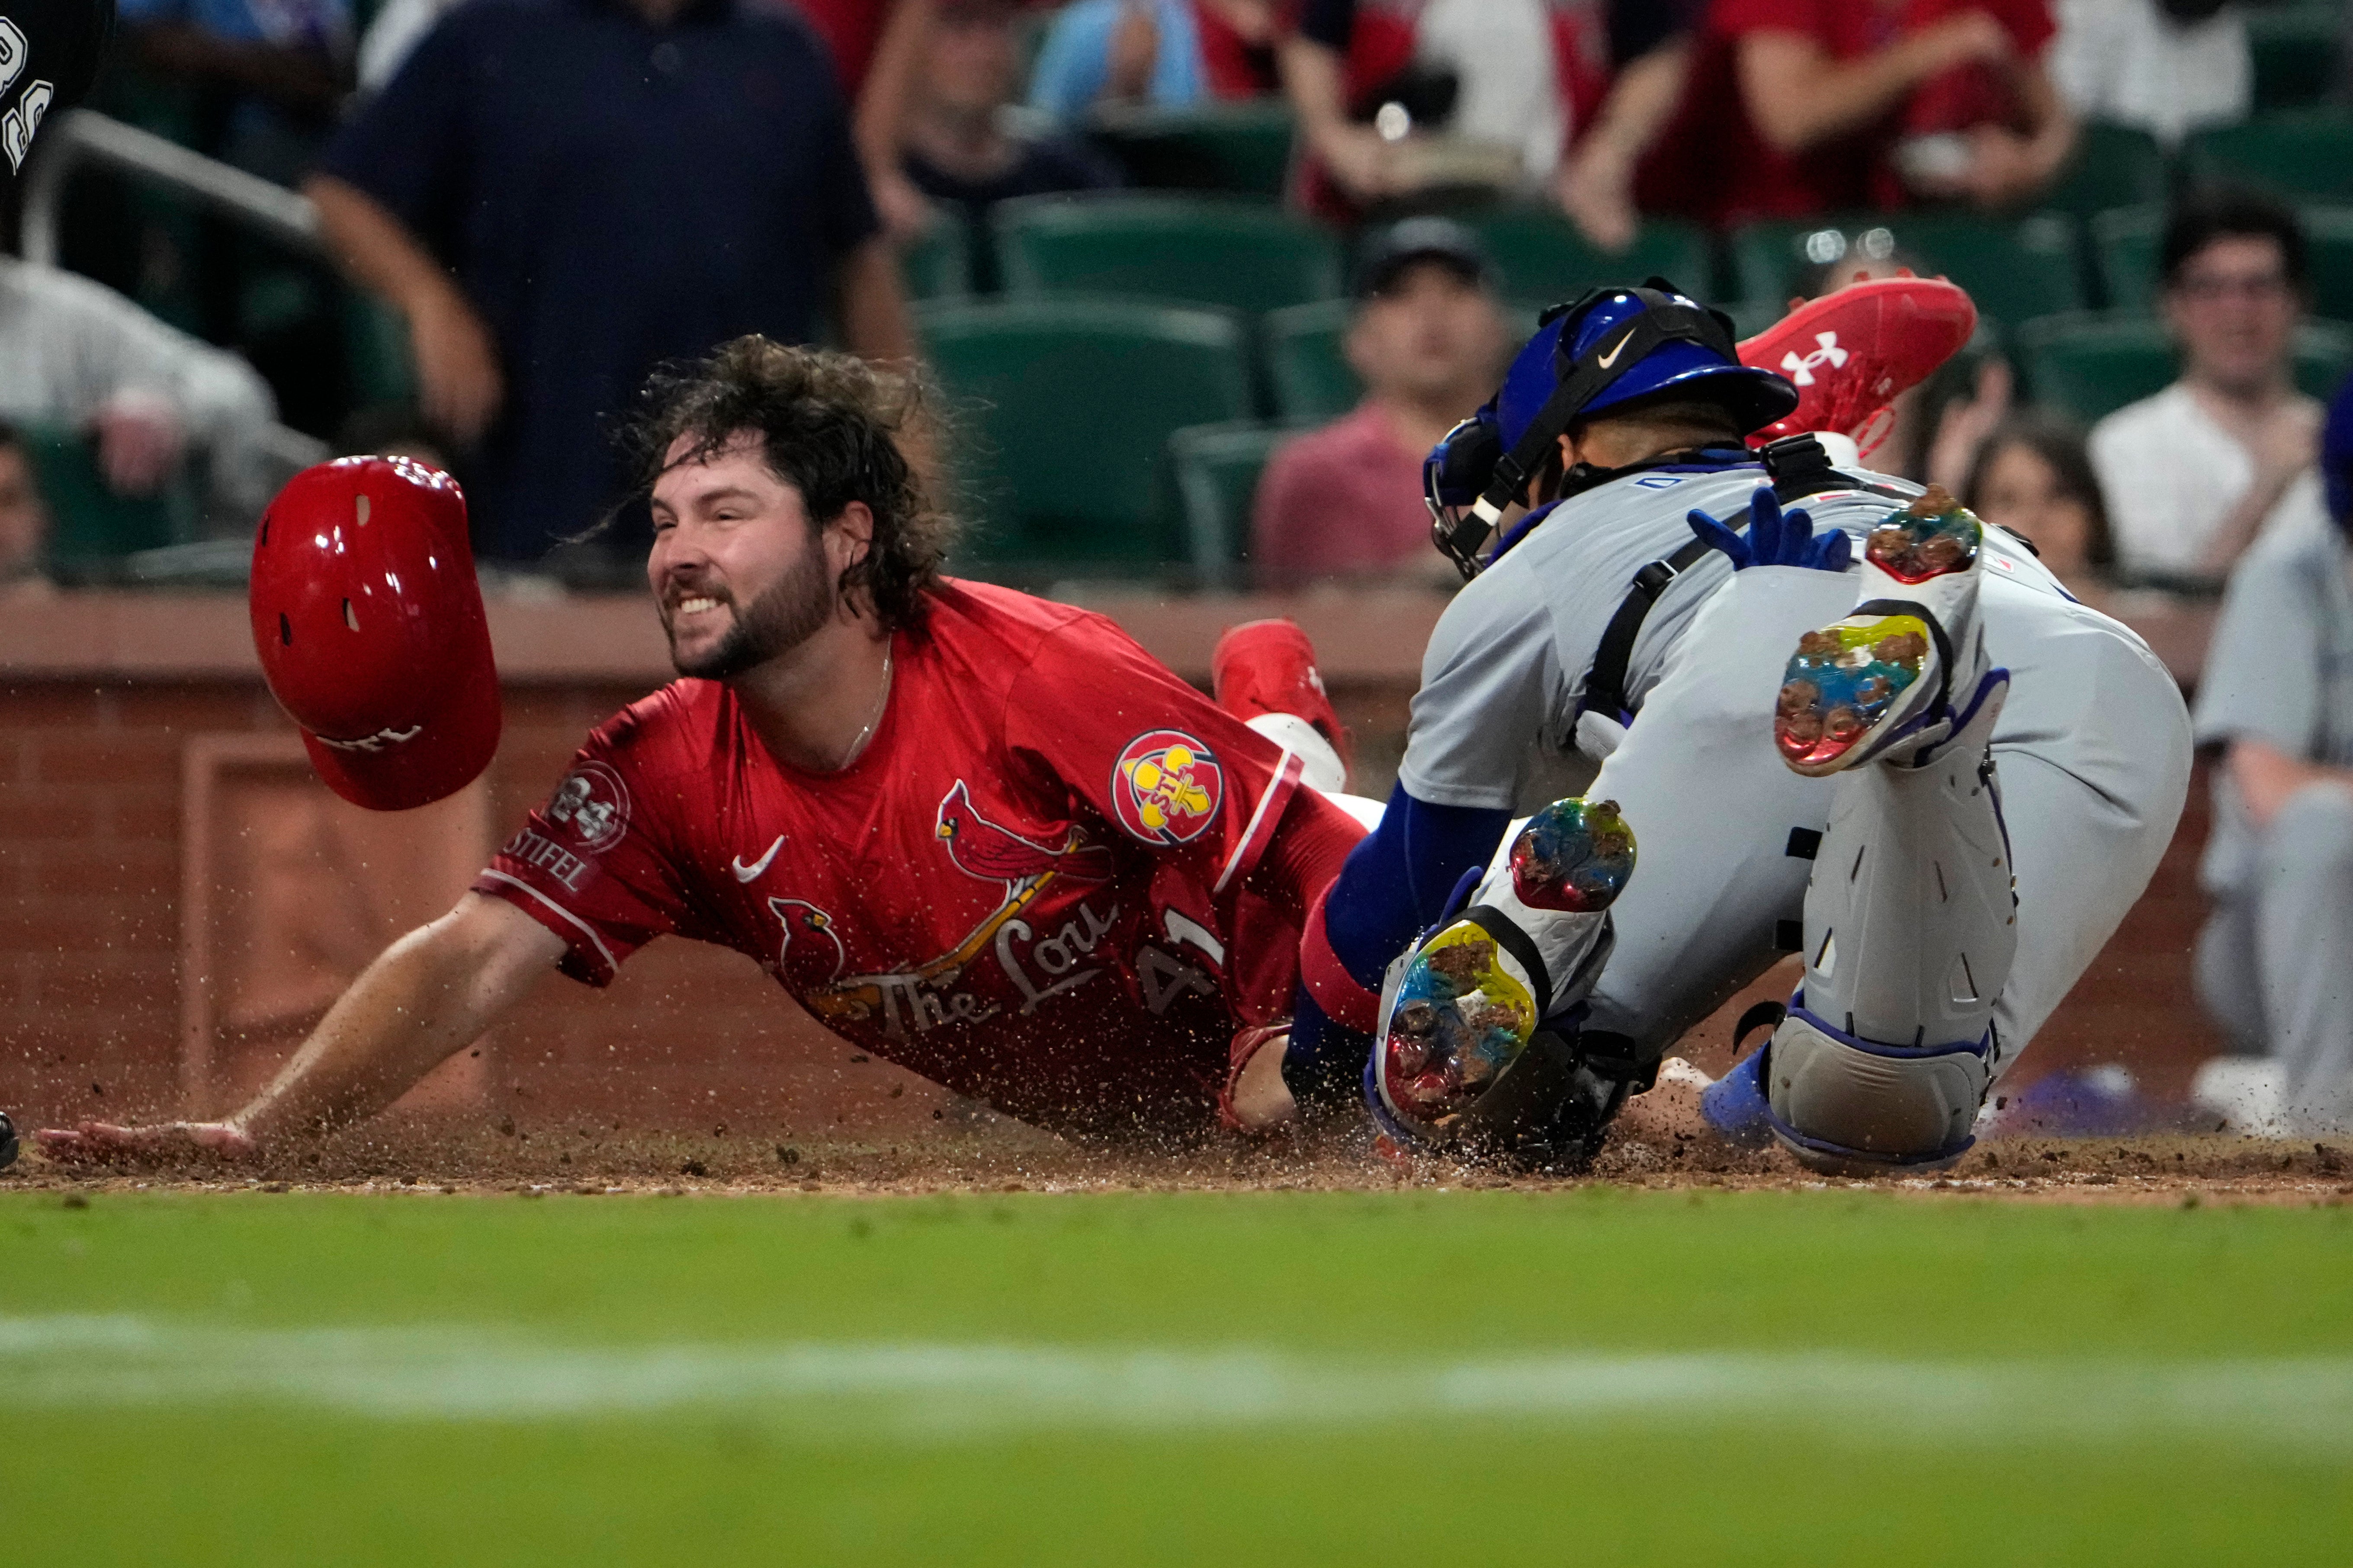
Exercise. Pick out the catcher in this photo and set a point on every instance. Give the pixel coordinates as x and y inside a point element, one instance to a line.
<point>979,835</point>
<point>1870,730</point>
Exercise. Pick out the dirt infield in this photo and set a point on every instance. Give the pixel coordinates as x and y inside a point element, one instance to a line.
<point>434,1155</point>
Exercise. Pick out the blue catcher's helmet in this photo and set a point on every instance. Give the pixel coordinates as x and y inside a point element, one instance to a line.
<point>1611,347</point>
<point>2336,456</point>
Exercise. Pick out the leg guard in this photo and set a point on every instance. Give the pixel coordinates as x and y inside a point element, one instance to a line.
<point>1911,926</point>
<point>1462,1061</point>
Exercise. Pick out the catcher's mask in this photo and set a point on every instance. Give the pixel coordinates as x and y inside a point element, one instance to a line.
<point>1608,348</point>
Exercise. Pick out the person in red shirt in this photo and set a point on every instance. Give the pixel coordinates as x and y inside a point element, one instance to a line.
<point>1428,338</point>
<point>977,834</point>
<point>1801,108</point>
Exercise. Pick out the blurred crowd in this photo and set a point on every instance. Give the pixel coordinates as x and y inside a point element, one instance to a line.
<point>526,205</point>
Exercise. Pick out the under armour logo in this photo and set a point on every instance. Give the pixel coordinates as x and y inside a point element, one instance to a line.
<point>1802,371</point>
<point>382,740</point>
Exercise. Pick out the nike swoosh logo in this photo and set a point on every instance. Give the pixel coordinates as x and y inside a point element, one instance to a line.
<point>1606,361</point>
<point>751,873</point>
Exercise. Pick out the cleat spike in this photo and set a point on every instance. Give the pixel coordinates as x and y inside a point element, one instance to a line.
<point>1574,856</point>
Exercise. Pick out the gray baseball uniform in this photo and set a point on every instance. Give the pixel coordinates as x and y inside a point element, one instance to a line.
<point>2275,960</point>
<point>2092,745</point>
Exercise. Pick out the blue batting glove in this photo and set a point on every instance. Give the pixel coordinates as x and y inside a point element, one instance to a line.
<point>1775,538</point>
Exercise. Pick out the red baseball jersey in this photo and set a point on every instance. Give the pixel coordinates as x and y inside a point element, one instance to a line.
<point>1035,885</point>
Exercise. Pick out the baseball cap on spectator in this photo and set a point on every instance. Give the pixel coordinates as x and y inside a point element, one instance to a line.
<point>1386,256</point>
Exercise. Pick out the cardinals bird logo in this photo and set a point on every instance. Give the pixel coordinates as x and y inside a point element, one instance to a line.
<point>820,957</point>
<point>983,849</point>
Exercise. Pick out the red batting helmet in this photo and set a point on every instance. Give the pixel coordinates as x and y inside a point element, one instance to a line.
<point>370,627</point>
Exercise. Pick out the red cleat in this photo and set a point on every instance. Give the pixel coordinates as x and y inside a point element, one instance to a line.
<point>1269,666</point>
<point>1851,353</point>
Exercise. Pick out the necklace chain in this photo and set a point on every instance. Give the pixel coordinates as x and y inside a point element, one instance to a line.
<point>882,702</point>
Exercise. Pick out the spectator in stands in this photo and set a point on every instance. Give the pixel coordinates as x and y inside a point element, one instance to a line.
<point>2194,473</point>
<point>2275,960</point>
<point>77,356</point>
<point>1170,53</point>
<point>1429,341</point>
<point>24,519</point>
<point>1795,108</point>
<point>270,73</point>
<point>960,148</point>
<point>2165,67</point>
<point>2033,477</point>
<point>1400,98</point>
<point>875,45</point>
<point>548,243</point>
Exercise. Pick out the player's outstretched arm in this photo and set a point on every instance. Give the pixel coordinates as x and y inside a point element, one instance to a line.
<point>427,996</point>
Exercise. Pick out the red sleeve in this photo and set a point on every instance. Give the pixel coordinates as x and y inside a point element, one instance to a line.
<point>1734,17</point>
<point>1148,753</point>
<point>592,865</point>
<point>2028,22</point>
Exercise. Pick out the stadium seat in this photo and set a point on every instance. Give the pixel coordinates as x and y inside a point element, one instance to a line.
<point>937,264</point>
<point>1243,148</point>
<point>2093,364</point>
<point>2114,167</point>
<point>376,339</point>
<point>2129,239</point>
<point>2308,154</point>
<point>2294,53</point>
<point>1207,488</point>
<point>1064,407</point>
<point>1310,373</point>
<point>91,527</point>
<point>2013,271</point>
<point>1249,256</point>
<point>1541,256</point>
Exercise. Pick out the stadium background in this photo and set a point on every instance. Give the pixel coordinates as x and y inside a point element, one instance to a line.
<point>161,838</point>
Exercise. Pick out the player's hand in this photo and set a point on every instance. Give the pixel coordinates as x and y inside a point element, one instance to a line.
<point>139,441</point>
<point>457,378</point>
<point>1775,538</point>
<point>1595,192</point>
<point>93,1142</point>
<point>1971,38</point>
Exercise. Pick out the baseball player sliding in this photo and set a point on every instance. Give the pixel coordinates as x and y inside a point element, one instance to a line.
<point>982,835</point>
<point>1865,727</point>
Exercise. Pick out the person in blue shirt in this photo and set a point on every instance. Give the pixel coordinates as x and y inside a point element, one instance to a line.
<point>559,194</point>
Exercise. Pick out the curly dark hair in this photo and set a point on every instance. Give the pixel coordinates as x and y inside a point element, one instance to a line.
<point>832,426</point>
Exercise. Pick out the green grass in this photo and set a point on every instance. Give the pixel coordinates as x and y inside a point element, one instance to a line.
<point>1339,1287</point>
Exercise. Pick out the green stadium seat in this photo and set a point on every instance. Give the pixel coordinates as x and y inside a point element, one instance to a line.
<point>376,339</point>
<point>1243,148</point>
<point>1541,256</point>
<point>2294,53</point>
<point>1248,255</point>
<point>1208,486</point>
<point>1310,372</point>
<point>2128,241</point>
<point>2308,154</point>
<point>937,264</point>
<point>90,527</point>
<point>2114,167</point>
<point>2094,364</point>
<point>1066,406</point>
<point>2013,271</point>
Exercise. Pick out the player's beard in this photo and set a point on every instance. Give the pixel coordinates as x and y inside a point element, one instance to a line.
<point>776,623</point>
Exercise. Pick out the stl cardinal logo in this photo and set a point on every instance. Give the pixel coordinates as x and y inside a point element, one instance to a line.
<point>1166,787</point>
